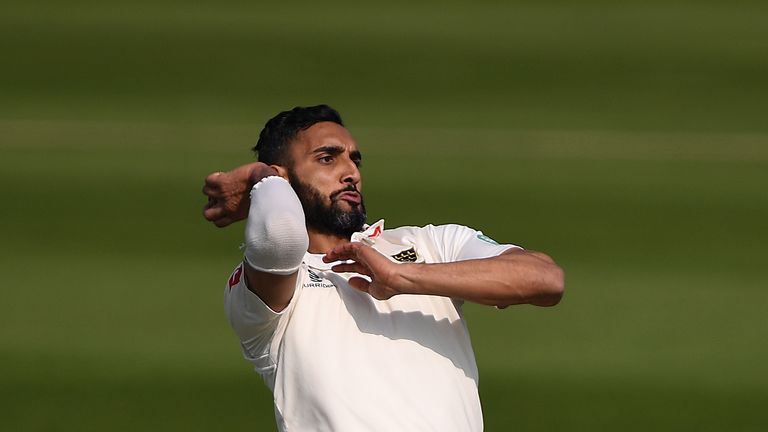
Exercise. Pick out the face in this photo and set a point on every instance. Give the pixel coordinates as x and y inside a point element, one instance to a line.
<point>325,173</point>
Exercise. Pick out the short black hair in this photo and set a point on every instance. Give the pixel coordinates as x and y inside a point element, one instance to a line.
<point>281,129</point>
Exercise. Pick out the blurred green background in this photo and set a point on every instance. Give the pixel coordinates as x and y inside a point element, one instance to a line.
<point>627,139</point>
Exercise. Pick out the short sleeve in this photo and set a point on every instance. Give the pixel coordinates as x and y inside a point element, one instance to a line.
<point>255,324</point>
<point>461,243</point>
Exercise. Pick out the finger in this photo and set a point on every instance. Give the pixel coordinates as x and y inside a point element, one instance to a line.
<point>340,253</point>
<point>331,256</point>
<point>364,254</point>
<point>221,223</point>
<point>214,180</point>
<point>359,284</point>
<point>351,268</point>
<point>213,213</point>
<point>211,191</point>
<point>347,248</point>
<point>346,251</point>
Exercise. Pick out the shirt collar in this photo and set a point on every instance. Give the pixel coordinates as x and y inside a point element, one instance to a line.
<point>370,233</point>
<point>368,236</point>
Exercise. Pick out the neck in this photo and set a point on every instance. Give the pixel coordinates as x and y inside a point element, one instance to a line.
<point>320,243</point>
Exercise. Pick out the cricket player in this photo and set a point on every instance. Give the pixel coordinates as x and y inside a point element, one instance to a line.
<point>357,327</point>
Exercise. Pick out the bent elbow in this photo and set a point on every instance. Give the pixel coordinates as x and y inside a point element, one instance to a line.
<point>276,245</point>
<point>554,287</point>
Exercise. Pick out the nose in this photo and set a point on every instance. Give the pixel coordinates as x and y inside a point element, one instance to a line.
<point>351,173</point>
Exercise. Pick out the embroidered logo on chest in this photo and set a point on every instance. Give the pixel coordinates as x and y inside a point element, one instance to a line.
<point>406,256</point>
<point>316,281</point>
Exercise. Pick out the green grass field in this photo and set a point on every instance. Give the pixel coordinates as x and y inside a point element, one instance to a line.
<point>626,140</point>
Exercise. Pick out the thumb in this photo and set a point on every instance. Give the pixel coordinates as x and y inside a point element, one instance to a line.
<point>359,283</point>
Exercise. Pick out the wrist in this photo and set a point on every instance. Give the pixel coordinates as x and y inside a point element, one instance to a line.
<point>259,171</point>
<point>406,278</point>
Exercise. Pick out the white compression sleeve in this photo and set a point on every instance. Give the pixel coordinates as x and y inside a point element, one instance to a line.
<point>275,233</point>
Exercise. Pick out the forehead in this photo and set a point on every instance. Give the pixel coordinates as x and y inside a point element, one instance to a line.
<point>322,134</point>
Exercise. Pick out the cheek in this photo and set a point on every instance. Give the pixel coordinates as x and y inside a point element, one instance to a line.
<point>324,180</point>
<point>322,184</point>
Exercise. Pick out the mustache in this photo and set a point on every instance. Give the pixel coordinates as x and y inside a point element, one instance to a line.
<point>350,188</point>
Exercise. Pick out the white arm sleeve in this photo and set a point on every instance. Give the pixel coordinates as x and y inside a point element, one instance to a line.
<point>275,234</point>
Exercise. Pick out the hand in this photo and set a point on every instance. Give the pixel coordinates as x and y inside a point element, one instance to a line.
<point>229,192</point>
<point>366,261</point>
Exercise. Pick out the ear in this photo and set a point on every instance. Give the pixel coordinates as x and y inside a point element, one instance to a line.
<point>281,171</point>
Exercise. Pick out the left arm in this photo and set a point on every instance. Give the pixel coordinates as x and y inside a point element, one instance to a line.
<point>514,277</point>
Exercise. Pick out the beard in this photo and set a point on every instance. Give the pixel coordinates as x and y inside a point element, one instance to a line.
<point>331,219</point>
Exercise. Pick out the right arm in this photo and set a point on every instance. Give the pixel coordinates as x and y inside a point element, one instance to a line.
<point>275,233</point>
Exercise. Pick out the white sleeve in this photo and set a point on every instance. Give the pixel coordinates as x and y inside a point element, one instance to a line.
<point>275,233</point>
<point>460,243</point>
<point>255,324</point>
<point>275,242</point>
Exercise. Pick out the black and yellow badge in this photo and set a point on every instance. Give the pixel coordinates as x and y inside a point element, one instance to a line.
<point>406,256</point>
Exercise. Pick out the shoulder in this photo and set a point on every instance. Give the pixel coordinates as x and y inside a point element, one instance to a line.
<point>440,240</point>
<point>430,233</point>
<point>428,230</point>
<point>448,242</point>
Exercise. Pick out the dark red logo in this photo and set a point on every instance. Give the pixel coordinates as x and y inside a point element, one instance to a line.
<point>235,278</point>
<point>376,232</point>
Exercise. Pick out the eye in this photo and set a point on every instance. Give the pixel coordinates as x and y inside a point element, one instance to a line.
<point>325,159</point>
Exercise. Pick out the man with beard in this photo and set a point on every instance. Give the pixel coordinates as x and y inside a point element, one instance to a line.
<point>354,327</point>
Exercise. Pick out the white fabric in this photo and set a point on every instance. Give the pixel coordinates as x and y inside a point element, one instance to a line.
<point>275,233</point>
<point>338,360</point>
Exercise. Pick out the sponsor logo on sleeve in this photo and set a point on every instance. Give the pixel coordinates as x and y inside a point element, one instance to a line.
<point>487,239</point>
<point>235,278</point>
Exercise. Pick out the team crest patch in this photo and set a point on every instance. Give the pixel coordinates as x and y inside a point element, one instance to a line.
<point>406,256</point>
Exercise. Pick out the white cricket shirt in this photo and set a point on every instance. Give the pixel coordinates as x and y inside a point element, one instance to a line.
<point>336,359</point>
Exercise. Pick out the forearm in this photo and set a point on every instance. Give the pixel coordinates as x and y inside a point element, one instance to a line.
<point>515,277</point>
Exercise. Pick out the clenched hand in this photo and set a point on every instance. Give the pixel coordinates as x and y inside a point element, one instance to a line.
<point>229,192</point>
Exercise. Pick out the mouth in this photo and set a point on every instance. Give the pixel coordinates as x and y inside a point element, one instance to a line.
<point>352,197</point>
